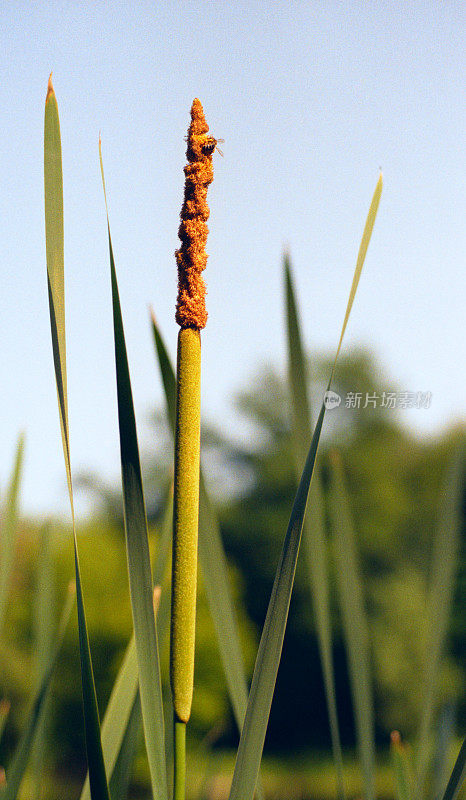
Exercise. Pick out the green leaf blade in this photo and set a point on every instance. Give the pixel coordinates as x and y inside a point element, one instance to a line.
<point>314,532</point>
<point>120,706</point>
<point>54,237</point>
<point>137,548</point>
<point>121,774</point>
<point>444,568</point>
<point>354,624</point>
<point>8,528</point>
<point>457,776</point>
<point>268,657</point>
<point>401,767</point>
<point>44,625</point>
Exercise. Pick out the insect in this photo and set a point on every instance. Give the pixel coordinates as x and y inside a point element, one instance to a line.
<point>211,144</point>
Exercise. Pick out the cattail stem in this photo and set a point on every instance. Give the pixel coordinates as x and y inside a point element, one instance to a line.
<point>185,520</point>
<point>179,786</point>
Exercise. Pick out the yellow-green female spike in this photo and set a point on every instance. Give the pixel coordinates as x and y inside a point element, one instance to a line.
<point>185,521</point>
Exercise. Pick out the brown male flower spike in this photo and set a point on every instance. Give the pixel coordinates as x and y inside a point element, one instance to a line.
<point>191,258</point>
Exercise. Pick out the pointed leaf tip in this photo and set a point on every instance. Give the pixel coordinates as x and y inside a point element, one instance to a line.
<point>152,315</point>
<point>50,89</point>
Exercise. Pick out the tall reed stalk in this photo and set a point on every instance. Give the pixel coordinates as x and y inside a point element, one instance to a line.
<point>191,316</point>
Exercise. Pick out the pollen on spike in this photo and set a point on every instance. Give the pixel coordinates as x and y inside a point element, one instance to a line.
<point>191,257</point>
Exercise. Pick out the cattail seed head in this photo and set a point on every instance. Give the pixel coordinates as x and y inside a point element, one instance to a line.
<point>191,257</point>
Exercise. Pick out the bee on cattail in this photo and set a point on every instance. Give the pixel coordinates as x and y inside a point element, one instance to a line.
<point>211,144</point>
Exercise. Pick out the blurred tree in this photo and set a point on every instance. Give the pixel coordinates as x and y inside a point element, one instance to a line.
<point>394,481</point>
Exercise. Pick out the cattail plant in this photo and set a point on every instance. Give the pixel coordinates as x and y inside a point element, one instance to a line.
<point>137,693</point>
<point>191,316</point>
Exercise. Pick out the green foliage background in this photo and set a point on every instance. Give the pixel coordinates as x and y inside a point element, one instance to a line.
<point>394,481</point>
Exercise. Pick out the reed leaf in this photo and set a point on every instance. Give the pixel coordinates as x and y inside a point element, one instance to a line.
<point>17,769</point>
<point>444,744</point>
<point>53,184</point>
<point>121,775</point>
<point>354,623</point>
<point>8,529</point>
<point>442,583</point>
<point>125,689</point>
<point>44,607</point>
<point>401,767</point>
<point>137,548</point>
<point>252,739</point>
<point>457,776</point>
<point>117,715</point>
<point>44,633</point>
<point>314,522</point>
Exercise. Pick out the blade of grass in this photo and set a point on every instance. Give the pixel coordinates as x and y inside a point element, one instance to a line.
<point>444,567</point>
<point>117,715</point>
<point>313,532</point>
<point>268,657</point>
<point>44,633</point>
<point>401,767</point>
<point>125,688</point>
<point>354,623</point>
<point>44,607</point>
<point>445,738</point>
<point>137,548</point>
<point>457,776</point>
<point>8,529</point>
<point>53,185</point>
<point>121,775</point>
<point>18,767</point>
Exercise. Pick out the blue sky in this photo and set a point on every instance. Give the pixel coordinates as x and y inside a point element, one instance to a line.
<point>311,99</point>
